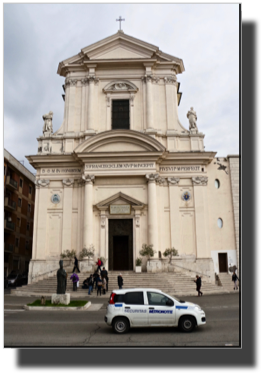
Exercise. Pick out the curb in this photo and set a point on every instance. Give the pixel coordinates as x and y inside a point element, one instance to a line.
<point>88,304</point>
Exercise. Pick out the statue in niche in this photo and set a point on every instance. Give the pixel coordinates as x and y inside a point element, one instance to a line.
<point>48,123</point>
<point>61,279</point>
<point>191,115</point>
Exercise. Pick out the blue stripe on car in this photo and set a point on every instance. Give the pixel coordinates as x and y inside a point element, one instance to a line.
<point>118,304</point>
<point>181,307</point>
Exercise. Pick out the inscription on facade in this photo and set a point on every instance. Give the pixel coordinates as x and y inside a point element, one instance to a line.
<point>63,170</point>
<point>120,166</point>
<point>120,209</point>
<point>180,168</point>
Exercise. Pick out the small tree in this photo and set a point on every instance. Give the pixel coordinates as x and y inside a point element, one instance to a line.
<point>147,250</point>
<point>170,252</point>
<point>68,254</point>
<point>87,252</point>
<point>138,261</point>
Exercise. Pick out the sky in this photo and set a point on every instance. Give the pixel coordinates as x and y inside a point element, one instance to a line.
<point>39,36</point>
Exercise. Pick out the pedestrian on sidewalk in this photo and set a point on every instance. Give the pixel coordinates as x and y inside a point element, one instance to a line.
<point>103,285</point>
<point>76,264</point>
<point>198,285</point>
<point>99,284</point>
<point>90,284</point>
<point>120,281</point>
<point>234,279</point>
<point>95,279</point>
<point>75,280</point>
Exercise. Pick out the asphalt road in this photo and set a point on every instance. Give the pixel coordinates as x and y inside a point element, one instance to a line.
<point>88,329</point>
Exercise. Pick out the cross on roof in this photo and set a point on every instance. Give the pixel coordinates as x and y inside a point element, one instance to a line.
<point>119,20</point>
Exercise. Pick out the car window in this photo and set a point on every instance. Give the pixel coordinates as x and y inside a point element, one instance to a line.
<point>119,298</point>
<point>157,299</point>
<point>134,298</point>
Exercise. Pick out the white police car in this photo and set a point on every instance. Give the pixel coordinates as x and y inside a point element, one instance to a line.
<point>151,307</point>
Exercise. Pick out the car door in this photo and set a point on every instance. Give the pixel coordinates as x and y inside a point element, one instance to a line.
<point>135,309</point>
<point>160,314</point>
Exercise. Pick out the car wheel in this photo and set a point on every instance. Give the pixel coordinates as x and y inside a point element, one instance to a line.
<point>121,325</point>
<point>187,323</point>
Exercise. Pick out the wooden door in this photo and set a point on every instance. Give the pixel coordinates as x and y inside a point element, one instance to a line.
<point>223,265</point>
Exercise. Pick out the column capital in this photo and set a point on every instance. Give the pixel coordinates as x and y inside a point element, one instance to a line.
<point>88,178</point>
<point>200,180</point>
<point>173,181</point>
<point>42,183</point>
<point>93,79</point>
<point>151,177</point>
<point>68,182</point>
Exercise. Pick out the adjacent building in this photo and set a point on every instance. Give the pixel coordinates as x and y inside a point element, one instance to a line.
<point>122,171</point>
<point>19,200</point>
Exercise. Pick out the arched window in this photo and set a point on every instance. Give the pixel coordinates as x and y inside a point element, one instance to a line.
<point>217,183</point>
<point>220,223</point>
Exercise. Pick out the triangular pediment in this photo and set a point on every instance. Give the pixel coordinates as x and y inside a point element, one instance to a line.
<point>118,199</point>
<point>121,47</point>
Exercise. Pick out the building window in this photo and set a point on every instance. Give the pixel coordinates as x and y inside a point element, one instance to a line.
<point>120,114</point>
<point>21,183</point>
<point>17,242</point>
<point>220,223</point>
<point>18,222</point>
<point>30,189</point>
<point>28,207</point>
<point>19,202</point>
<point>217,183</point>
<point>27,245</point>
<point>28,226</point>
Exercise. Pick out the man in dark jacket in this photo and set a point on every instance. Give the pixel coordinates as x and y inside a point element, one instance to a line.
<point>90,284</point>
<point>198,285</point>
<point>120,281</point>
<point>104,274</point>
<point>76,265</point>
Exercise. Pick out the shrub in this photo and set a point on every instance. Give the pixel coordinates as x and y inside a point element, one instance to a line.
<point>87,252</point>
<point>170,252</point>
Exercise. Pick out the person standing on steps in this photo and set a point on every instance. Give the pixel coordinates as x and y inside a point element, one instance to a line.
<point>104,274</point>
<point>90,284</point>
<point>76,265</point>
<point>120,281</point>
<point>99,285</point>
<point>99,264</point>
<point>75,280</point>
<point>103,285</point>
<point>198,285</point>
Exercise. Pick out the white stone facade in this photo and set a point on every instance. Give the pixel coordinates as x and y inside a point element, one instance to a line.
<point>154,173</point>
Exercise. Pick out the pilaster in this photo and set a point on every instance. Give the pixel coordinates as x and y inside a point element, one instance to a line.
<point>174,212</point>
<point>152,211</point>
<point>88,211</point>
<point>67,214</point>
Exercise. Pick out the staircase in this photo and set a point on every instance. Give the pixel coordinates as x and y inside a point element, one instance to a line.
<point>176,284</point>
<point>226,282</point>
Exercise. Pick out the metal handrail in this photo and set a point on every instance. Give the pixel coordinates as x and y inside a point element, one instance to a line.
<point>191,270</point>
<point>46,273</point>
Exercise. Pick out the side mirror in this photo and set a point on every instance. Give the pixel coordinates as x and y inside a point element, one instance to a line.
<point>169,302</point>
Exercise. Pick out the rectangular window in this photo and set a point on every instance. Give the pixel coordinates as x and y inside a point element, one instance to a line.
<point>19,202</point>
<point>28,207</point>
<point>120,114</point>
<point>27,244</point>
<point>17,242</point>
<point>18,222</point>
<point>21,183</point>
<point>30,189</point>
<point>134,298</point>
<point>28,226</point>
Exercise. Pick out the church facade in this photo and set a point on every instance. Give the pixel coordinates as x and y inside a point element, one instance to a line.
<point>122,171</point>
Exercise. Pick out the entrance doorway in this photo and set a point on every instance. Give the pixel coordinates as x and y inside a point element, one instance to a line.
<point>120,244</point>
<point>223,263</point>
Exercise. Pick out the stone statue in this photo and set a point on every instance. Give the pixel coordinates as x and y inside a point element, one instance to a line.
<point>191,115</point>
<point>61,279</point>
<point>48,123</point>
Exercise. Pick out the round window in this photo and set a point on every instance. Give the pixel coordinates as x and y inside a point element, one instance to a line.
<point>220,223</point>
<point>217,183</point>
<point>55,198</point>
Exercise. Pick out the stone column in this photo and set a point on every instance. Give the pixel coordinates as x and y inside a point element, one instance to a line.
<point>152,211</point>
<point>67,214</point>
<point>71,105</point>
<point>174,213</point>
<point>171,102</point>
<point>84,83</point>
<point>41,219</point>
<point>103,233</point>
<point>91,103</point>
<point>35,225</point>
<point>137,242</point>
<point>149,102</point>
<point>201,217</point>
<point>88,211</point>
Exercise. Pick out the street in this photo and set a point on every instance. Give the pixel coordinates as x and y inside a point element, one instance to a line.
<point>87,328</point>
